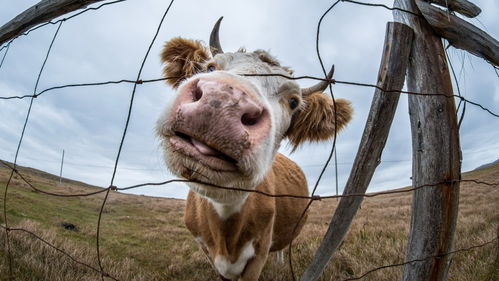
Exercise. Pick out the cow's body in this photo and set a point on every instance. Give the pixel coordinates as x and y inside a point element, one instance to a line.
<point>242,241</point>
<point>224,129</point>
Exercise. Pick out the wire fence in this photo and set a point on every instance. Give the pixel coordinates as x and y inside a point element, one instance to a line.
<point>139,81</point>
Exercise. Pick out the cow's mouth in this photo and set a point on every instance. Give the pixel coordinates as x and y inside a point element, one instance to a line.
<point>203,153</point>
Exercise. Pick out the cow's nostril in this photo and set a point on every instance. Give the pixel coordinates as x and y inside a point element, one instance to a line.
<point>197,93</point>
<point>250,119</point>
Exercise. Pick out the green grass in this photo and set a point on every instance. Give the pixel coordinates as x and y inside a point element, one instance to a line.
<point>144,238</point>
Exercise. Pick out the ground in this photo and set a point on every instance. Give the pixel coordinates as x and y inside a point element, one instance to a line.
<point>144,238</point>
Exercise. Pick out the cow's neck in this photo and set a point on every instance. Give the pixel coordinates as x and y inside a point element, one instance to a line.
<point>220,196</point>
<point>227,209</point>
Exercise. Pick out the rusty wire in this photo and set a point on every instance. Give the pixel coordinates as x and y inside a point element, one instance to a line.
<point>381,6</point>
<point>124,135</point>
<point>229,188</point>
<point>37,237</point>
<point>7,241</point>
<point>331,81</point>
<point>310,198</point>
<point>333,146</point>
<point>424,259</point>
<point>138,81</point>
<point>36,95</point>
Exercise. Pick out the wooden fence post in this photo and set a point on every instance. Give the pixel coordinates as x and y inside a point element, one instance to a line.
<point>435,150</point>
<point>42,12</point>
<point>459,33</point>
<point>391,78</point>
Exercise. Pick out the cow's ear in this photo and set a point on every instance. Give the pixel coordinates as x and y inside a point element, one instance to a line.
<point>315,121</point>
<point>182,58</point>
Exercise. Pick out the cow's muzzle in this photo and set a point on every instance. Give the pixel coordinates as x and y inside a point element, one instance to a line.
<point>217,122</point>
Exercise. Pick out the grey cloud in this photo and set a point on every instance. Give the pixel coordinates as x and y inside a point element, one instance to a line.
<point>110,44</point>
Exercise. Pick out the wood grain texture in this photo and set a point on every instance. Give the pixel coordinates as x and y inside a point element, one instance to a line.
<point>464,7</point>
<point>41,12</point>
<point>460,33</point>
<point>435,152</point>
<point>391,76</point>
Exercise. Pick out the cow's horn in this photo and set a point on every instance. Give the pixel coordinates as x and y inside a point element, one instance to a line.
<point>215,47</point>
<point>319,87</point>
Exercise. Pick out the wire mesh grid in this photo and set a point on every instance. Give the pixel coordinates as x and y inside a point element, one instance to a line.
<point>139,81</point>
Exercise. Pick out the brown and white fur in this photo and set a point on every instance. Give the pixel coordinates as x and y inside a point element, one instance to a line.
<point>224,128</point>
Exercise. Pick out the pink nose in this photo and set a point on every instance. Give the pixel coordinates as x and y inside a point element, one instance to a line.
<point>222,97</point>
<point>221,111</point>
<point>212,98</point>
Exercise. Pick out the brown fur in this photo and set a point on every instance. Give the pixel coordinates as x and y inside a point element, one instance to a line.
<point>261,218</point>
<point>183,58</point>
<point>315,121</point>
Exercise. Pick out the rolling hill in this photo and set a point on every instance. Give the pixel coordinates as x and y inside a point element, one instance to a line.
<point>144,238</point>
<point>487,165</point>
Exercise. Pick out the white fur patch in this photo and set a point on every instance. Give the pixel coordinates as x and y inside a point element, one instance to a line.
<point>280,257</point>
<point>224,211</point>
<point>200,240</point>
<point>233,270</point>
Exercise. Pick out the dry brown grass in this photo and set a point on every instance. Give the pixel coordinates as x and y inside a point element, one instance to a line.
<point>143,238</point>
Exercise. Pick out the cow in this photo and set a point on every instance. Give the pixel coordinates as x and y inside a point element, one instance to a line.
<point>230,115</point>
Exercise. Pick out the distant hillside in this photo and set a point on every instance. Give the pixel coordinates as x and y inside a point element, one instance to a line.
<point>35,172</point>
<point>55,178</point>
<point>487,165</point>
<point>144,238</point>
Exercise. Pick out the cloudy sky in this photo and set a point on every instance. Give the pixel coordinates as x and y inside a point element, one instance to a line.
<point>110,43</point>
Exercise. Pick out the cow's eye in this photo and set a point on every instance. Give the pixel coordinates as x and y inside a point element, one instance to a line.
<point>211,68</point>
<point>293,102</point>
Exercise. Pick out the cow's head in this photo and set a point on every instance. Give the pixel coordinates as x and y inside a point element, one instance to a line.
<point>225,125</point>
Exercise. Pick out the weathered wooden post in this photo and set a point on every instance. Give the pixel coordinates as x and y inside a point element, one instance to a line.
<point>42,12</point>
<point>435,151</point>
<point>391,77</point>
<point>435,136</point>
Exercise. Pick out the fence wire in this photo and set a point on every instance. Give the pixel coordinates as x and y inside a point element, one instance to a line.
<point>58,21</point>
<point>313,197</point>
<point>330,81</point>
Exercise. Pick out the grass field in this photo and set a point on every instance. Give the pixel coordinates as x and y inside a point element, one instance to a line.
<point>144,238</point>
